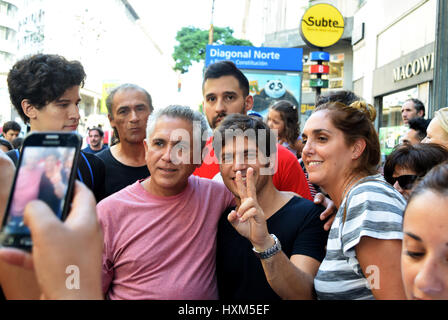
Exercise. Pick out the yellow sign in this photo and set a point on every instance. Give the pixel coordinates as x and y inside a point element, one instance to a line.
<point>107,88</point>
<point>322,25</point>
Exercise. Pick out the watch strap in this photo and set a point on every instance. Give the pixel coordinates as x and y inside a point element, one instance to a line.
<point>271,251</point>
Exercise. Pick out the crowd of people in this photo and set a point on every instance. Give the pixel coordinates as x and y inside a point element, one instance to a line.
<point>256,211</point>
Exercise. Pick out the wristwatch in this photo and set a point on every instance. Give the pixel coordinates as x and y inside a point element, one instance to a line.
<point>271,251</point>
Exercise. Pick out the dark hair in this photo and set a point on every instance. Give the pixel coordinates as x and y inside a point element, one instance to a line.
<point>290,116</point>
<point>17,142</point>
<point>41,79</point>
<point>11,125</point>
<point>226,68</point>
<point>418,105</point>
<point>435,180</point>
<point>343,96</point>
<point>419,158</point>
<point>419,125</point>
<point>100,132</point>
<point>110,100</point>
<point>235,122</point>
<point>6,143</point>
<point>356,121</point>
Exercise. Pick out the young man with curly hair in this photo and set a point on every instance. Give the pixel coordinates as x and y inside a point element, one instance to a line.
<point>45,91</point>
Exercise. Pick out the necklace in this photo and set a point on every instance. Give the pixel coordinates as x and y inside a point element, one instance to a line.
<point>349,183</point>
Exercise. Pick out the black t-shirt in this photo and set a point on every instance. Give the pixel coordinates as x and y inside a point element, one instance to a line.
<point>90,171</point>
<point>240,273</point>
<point>118,175</point>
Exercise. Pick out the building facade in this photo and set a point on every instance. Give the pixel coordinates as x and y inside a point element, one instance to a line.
<point>8,35</point>
<point>393,59</point>
<point>107,37</point>
<point>282,22</point>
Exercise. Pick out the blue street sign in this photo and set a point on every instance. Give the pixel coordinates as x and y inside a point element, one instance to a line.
<point>262,58</point>
<point>319,55</point>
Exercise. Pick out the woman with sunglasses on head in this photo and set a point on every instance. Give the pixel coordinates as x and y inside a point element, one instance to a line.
<point>342,154</point>
<point>408,163</point>
<point>424,256</point>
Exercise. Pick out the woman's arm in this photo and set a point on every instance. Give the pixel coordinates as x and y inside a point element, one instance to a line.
<point>380,263</point>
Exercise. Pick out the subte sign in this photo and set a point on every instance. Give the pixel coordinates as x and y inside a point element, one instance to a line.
<point>322,25</point>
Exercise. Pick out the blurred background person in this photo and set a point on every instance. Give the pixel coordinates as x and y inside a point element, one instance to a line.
<point>11,130</point>
<point>341,154</point>
<point>408,163</point>
<point>417,131</point>
<point>95,141</point>
<point>437,131</point>
<point>284,118</point>
<point>424,255</point>
<point>412,108</point>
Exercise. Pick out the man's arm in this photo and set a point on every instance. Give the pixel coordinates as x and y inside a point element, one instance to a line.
<point>290,279</point>
<point>66,256</point>
<point>7,170</point>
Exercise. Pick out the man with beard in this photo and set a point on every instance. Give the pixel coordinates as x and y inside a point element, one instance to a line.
<point>96,141</point>
<point>226,91</point>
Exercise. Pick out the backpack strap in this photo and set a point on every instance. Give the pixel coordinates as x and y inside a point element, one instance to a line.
<point>90,169</point>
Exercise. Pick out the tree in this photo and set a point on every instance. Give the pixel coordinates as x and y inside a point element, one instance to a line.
<point>192,43</point>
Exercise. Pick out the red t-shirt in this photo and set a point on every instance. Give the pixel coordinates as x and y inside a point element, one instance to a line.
<point>289,175</point>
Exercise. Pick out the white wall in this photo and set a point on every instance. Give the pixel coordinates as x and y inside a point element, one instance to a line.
<point>392,29</point>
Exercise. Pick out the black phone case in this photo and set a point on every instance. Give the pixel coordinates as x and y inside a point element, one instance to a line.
<point>60,139</point>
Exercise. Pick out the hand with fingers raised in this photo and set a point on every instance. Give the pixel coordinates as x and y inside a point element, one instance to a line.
<point>249,219</point>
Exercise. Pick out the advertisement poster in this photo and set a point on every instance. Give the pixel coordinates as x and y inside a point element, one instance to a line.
<point>269,87</point>
<point>274,73</point>
<point>390,137</point>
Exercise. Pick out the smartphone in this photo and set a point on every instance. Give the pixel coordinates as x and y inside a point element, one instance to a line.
<point>46,171</point>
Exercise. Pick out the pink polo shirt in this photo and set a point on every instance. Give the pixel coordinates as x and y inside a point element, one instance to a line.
<point>162,247</point>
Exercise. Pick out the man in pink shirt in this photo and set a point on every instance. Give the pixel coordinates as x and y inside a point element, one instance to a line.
<point>160,233</point>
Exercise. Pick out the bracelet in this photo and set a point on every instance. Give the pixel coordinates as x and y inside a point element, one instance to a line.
<point>277,247</point>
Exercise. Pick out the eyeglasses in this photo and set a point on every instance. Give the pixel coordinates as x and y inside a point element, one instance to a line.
<point>405,181</point>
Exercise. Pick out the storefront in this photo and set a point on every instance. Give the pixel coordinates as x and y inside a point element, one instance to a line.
<point>411,76</point>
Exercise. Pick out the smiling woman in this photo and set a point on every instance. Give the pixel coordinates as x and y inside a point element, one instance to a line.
<point>341,154</point>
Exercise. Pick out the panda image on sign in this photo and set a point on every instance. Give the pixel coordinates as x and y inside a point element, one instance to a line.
<point>273,90</point>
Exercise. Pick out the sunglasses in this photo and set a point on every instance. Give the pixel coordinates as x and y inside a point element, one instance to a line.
<point>405,181</point>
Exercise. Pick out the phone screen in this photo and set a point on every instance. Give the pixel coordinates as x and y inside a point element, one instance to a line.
<point>44,174</point>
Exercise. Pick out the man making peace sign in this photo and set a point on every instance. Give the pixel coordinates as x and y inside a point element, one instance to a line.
<point>286,237</point>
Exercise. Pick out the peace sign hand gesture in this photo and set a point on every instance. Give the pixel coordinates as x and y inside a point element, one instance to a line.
<point>249,220</point>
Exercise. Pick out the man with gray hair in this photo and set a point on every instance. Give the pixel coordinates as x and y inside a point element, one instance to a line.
<point>160,232</point>
<point>128,107</point>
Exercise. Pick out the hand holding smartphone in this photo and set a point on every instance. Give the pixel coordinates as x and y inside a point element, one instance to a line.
<point>46,171</point>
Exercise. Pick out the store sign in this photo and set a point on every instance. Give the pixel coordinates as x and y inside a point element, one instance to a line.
<point>322,25</point>
<point>263,58</point>
<point>414,68</point>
